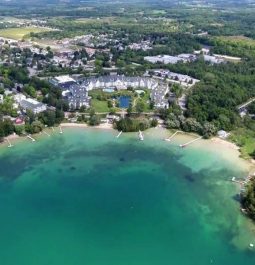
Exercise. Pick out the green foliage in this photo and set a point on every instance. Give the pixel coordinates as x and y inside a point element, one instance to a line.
<point>154,123</point>
<point>140,106</point>
<point>251,108</point>
<point>94,119</point>
<point>6,128</point>
<point>248,198</point>
<point>132,124</point>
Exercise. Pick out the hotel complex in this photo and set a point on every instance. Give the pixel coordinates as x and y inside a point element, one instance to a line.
<point>77,94</point>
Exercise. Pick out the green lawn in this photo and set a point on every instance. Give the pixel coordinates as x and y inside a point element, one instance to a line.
<point>99,106</point>
<point>245,139</point>
<point>20,33</point>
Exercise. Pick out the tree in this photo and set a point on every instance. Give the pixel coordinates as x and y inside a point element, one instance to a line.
<point>19,129</point>
<point>191,125</point>
<point>177,90</point>
<point>94,119</point>
<point>251,108</point>
<point>109,103</point>
<point>129,109</point>
<point>140,106</point>
<point>1,134</point>
<point>248,198</point>
<point>36,126</point>
<point>209,130</point>
<point>154,123</point>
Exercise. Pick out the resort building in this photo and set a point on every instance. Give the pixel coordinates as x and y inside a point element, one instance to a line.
<point>33,105</point>
<point>213,59</point>
<point>185,81</point>
<point>63,81</point>
<point>77,96</point>
<point>159,89</point>
<point>165,59</point>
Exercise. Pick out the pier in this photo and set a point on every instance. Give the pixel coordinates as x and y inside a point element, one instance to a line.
<point>141,138</point>
<point>46,133</point>
<point>241,182</point>
<point>119,134</point>
<point>190,142</point>
<point>172,136</point>
<point>31,138</point>
<point>10,145</point>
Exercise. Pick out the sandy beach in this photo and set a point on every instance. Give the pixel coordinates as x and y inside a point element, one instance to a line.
<point>227,148</point>
<point>69,124</point>
<point>225,143</point>
<point>84,125</point>
<point>13,136</point>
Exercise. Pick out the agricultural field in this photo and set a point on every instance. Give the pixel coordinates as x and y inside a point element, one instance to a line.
<point>20,33</point>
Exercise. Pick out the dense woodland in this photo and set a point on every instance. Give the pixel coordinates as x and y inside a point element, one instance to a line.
<point>248,199</point>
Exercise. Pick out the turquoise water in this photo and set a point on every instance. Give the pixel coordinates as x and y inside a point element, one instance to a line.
<point>85,197</point>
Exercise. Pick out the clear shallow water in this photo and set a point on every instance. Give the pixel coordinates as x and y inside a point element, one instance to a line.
<point>85,197</point>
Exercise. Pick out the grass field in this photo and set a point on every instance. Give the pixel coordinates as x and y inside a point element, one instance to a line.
<point>244,138</point>
<point>19,33</point>
<point>99,106</point>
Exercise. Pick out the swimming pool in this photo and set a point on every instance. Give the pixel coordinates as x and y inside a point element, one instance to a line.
<point>124,101</point>
<point>108,90</point>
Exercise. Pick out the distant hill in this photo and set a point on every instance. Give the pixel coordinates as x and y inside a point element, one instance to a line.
<point>100,2</point>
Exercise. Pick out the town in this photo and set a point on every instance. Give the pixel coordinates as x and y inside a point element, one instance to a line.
<point>79,56</point>
<point>52,71</point>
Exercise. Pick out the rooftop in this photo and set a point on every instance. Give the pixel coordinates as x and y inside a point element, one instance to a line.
<point>64,79</point>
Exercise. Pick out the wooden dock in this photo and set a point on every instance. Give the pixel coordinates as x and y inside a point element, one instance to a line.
<point>190,142</point>
<point>8,141</point>
<point>46,133</point>
<point>119,134</point>
<point>31,138</point>
<point>172,136</point>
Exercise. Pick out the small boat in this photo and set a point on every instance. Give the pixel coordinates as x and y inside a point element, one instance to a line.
<point>140,136</point>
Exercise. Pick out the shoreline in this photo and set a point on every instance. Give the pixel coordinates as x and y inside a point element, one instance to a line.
<point>107,126</point>
<point>228,150</point>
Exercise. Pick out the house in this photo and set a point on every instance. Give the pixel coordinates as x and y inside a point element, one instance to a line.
<point>222,134</point>
<point>18,97</point>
